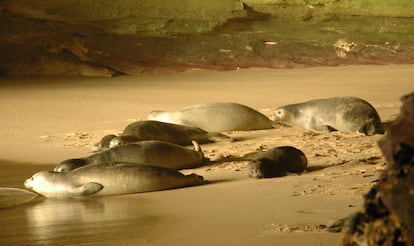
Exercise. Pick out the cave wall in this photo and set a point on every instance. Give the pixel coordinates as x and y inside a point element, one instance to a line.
<point>104,38</point>
<point>299,8</point>
<point>150,17</point>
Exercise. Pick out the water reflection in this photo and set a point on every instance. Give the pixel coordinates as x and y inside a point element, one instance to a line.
<point>63,222</point>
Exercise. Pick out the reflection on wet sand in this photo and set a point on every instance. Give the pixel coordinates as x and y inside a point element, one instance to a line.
<point>82,221</point>
<point>10,197</point>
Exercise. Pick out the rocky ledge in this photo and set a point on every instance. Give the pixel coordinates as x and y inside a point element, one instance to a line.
<point>103,38</point>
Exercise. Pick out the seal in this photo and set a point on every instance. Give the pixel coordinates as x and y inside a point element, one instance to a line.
<point>348,114</point>
<point>156,130</point>
<point>109,179</point>
<point>151,152</point>
<point>276,162</point>
<point>215,117</point>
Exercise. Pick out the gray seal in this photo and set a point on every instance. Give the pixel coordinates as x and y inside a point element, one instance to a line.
<point>276,162</point>
<point>151,152</point>
<point>109,179</point>
<point>215,117</point>
<point>348,114</point>
<point>156,130</point>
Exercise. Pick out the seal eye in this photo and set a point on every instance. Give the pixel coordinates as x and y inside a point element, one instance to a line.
<point>279,112</point>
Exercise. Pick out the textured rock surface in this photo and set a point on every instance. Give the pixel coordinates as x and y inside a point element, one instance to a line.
<point>309,8</point>
<point>103,38</point>
<point>156,17</point>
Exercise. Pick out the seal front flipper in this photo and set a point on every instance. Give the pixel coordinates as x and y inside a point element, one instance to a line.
<point>87,189</point>
<point>317,124</point>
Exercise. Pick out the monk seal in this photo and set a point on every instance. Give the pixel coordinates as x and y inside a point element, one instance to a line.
<point>156,130</point>
<point>276,162</point>
<point>151,152</point>
<point>349,114</point>
<point>215,117</point>
<point>109,179</point>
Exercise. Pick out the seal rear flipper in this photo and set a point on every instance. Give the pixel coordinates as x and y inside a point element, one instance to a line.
<point>196,146</point>
<point>87,189</point>
<point>370,128</point>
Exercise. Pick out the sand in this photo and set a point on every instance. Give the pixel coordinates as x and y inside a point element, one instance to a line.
<point>45,120</point>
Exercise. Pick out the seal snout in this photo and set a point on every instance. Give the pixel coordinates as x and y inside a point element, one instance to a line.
<point>254,170</point>
<point>28,183</point>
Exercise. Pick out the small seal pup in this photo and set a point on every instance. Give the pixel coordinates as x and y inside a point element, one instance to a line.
<point>156,130</point>
<point>215,117</point>
<point>349,114</point>
<point>109,179</point>
<point>151,152</point>
<point>276,162</point>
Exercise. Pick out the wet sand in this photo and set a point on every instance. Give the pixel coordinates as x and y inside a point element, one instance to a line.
<point>47,120</point>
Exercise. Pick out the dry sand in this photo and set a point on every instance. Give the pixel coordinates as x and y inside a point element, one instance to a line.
<point>46,120</point>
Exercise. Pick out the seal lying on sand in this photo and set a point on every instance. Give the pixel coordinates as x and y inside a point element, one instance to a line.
<point>276,162</point>
<point>109,179</point>
<point>350,114</point>
<point>156,130</point>
<point>151,152</point>
<point>215,117</point>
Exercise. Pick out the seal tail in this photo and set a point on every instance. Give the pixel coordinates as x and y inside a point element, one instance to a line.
<point>196,146</point>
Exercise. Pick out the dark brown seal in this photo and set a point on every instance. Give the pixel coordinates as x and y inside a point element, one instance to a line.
<point>151,152</point>
<point>276,162</point>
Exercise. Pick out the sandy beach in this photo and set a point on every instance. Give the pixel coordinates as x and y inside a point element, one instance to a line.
<point>45,120</point>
